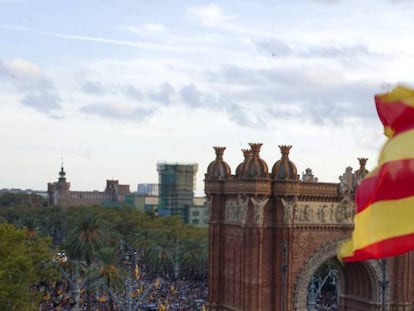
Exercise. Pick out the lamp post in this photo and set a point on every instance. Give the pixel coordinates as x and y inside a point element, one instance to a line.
<point>383,283</point>
<point>130,259</point>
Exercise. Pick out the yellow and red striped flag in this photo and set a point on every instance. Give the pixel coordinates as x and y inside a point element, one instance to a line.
<point>383,223</point>
<point>136,272</point>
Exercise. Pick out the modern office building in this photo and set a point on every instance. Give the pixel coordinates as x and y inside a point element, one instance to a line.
<point>176,188</point>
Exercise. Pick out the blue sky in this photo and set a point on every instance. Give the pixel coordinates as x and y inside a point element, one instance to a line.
<point>113,87</point>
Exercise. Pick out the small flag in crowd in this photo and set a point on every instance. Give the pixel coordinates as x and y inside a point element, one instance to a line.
<point>136,272</point>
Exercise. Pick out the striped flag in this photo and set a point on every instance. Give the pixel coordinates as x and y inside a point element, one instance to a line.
<point>136,272</point>
<point>384,219</point>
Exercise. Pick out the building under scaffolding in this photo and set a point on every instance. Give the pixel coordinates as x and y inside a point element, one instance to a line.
<point>176,188</point>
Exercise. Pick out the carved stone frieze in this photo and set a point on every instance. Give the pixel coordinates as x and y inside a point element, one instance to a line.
<point>310,212</point>
<point>232,211</point>
<point>236,209</point>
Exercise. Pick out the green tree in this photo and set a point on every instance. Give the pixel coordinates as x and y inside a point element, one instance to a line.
<point>24,260</point>
<point>21,199</point>
<point>30,226</point>
<point>51,223</point>
<point>195,257</point>
<point>86,239</point>
<point>106,275</point>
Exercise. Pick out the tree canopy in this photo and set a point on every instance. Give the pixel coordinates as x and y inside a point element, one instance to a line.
<point>24,261</point>
<point>101,245</point>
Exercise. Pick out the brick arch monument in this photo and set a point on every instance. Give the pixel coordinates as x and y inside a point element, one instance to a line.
<point>270,231</point>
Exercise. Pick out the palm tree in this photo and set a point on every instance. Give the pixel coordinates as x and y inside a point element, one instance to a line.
<point>30,226</point>
<point>86,239</point>
<point>107,275</point>
<point>195,257</point>
<point>84,242</point>
<point>146,244</point>
<point>51,220</point>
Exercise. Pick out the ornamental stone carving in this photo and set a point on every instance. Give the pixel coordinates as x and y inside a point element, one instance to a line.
<point>289,206</point>
<point>258,207</point>
<point>345,211</point>
<point>243,204</point>
<point>236,209</point>
<point>309,212</point>
<point>232,212</point>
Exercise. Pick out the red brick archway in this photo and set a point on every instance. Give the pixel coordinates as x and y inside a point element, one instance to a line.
<point>270,231</point>
<point>358,282</point>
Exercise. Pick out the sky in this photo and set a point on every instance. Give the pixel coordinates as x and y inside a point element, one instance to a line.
<point>111,88</point>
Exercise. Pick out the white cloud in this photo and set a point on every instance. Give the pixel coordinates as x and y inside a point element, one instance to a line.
<point>95,87</point>
<point>20,67</point>
<point>23,74</point>
<point>211,15</point>
<point>42,101</point>
<point>35,89</point>
<point>116,110</point>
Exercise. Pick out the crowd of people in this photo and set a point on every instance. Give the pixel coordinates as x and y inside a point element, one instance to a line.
<point>166,294</point>
<point>327,301</point>
<point>144,293</point>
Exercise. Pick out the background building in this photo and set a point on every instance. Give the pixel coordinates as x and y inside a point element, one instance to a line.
<point>59,193</point>
<point>198,213</point>
<point>148,189</point>
<point>142,202</point>
<point>173,196</point>
<point>176,188</point>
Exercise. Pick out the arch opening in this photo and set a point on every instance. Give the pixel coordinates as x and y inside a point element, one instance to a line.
<point>326,284</point>
<point>323,289</point>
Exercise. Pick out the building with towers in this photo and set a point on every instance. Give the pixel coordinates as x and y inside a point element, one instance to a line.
<point>173,196</point>
<point>59,193</point>
<point>273,239</point>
